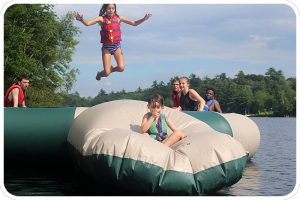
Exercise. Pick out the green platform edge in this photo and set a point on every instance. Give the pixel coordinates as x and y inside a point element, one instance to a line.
<point>214,120</point>
<point>36,131</point>
<point>149,179</point>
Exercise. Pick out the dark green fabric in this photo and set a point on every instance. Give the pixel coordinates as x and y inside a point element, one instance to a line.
<point>143,178</point>
<point>214,120</point>
<point>35,131</point>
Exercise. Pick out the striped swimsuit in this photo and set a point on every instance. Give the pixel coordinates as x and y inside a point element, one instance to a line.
<point>158,130</point>
<point>111,47</point>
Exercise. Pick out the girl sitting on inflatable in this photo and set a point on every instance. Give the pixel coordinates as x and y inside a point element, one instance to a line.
<point>155,124</point>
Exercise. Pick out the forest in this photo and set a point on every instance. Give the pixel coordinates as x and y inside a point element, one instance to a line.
<point>41,45</point>
<point>260,95</point>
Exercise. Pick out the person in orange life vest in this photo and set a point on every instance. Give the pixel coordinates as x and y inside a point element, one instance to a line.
<point>190,100</point>
<point>16,94</point>
<point>211,104</point>
<point>111,36</point>
<point>175,93</point>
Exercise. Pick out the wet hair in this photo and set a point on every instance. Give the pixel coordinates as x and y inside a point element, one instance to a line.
<point>176,79</point>
<point>212,89</point>
<point>156,98</point>
<point>186,78</point>
<point>104,7</point>
<point>23,76</point>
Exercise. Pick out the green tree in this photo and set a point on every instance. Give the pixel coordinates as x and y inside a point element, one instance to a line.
<point>70,79</point>
<point>276,86</point>
<point>259,102</point>
<point>271,94</point>
<point>39,44</point>
<point>240,78</point>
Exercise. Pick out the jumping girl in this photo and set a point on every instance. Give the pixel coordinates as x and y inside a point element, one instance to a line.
<point>110,33</point>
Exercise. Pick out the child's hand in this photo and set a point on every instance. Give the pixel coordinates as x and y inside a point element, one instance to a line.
<point>183,136</point>
<point>147,16</point>
<point>78,16</point>
<point>155,114</point>
<point>178,108</point>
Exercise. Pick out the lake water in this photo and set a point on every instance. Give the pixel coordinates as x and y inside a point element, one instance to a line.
<point>271,172</point>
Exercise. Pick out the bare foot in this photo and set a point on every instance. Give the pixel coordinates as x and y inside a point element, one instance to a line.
<point>112,69</point>
<point>98,77</point>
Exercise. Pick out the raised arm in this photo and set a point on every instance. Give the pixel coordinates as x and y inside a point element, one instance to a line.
<point>146,123</point>
<point>137,22</point>
<point>195,96</point>
<point>88,22</point>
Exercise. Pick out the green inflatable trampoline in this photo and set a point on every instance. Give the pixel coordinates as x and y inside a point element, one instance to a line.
<point>105,143</point>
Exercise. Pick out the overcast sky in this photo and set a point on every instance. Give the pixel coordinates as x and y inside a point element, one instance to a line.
<point>181,39</point>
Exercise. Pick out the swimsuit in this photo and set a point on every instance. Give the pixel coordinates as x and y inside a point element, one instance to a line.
<point>158,130</point>
<point>187,104</point>
<point>207,104</point>
<point>111,47</point>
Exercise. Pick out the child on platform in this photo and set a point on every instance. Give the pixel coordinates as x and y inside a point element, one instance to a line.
<point>155,124</point>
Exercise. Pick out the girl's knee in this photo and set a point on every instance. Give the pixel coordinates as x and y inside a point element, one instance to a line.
<point>121,68</point>
<point>106,72</point>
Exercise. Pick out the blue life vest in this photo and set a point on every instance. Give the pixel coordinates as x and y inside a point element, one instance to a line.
<point>207,104</point>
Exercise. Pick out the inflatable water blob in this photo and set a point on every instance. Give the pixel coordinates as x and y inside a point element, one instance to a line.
<point>37,134</point>
<point>107,145</point>
<point>242,128</point>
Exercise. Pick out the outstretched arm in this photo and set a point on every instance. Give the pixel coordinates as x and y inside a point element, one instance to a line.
<point>135,23</point>
<point>88,22</point>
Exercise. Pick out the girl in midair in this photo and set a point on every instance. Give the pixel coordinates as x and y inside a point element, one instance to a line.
<point>110,33</point>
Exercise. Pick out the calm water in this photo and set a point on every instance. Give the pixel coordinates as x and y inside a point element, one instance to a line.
<point>271,172</point>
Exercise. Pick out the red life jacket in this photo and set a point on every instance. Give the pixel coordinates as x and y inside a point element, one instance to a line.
<point>111,30</point>
<point>21,98</point>
<point>175,99</point>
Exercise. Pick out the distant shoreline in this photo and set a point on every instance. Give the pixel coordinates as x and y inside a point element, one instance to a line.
<point>268,114</point>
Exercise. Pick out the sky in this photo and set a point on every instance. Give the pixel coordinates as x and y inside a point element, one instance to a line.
<point>181,39</point>
<point>184,39</point>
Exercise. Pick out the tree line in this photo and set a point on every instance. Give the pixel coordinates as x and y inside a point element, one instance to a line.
<point>40,44</point>
<point>270,94</point>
